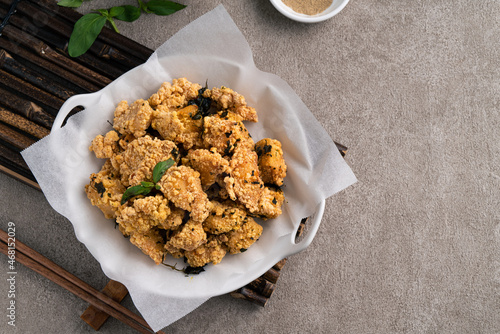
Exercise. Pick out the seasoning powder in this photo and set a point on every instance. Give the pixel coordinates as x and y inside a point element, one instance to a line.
<point>308,7</point>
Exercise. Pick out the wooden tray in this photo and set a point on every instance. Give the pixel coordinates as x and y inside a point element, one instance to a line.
<point>37,76</point>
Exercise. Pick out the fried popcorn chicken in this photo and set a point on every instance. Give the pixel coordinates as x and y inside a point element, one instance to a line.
<point>182,186</point>
<point>105,190</point>
<point>174,219</point>
<point>243,182</point>
<point>225,135</point>
<point>175,252</point>
<point>209,163</point>
<point>224,217</point>
<point>137,162</point>
<point>270,203</point>
<point>241,239</point>
<point>150,243</point>
<point>179,125</point>
<point>272,165</point>
<point>105,147</point>
<point>211,252</point>
<point>176,94</point>
<point>226,98</point>
<point>144,214</point>
<point>205,203</point>
<point>133,119</point>
<point>189,237</point>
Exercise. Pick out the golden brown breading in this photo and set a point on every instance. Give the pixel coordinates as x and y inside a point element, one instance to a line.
<point>211,252</point>
<point>174,219</point>
<point>190,236</point>
<point>224,217</point>
<point>210,164</point>
<point>271,161</point>
<point>243,182</point>
<point>225,135</point>
<point>226,98</point>
<point>144,214</point>
<point>176,94</point>
<point>270,203</point>
<point>125,140</point>
<point>182,186</point>
<point>179,125</point>
<point>150,243</point>
<point>133,119</point>
<point>137,162</point>
<point>175,252</point>
<point>241,239</point>
<point>105,190</point>
<point>105,147</point>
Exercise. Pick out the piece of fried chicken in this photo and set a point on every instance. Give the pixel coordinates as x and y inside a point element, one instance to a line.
<point>225,135</point>
<point>137,162</point>
<point>272,165</point>
<point>182,186</point>
<point>209,163</point>
<point>179,125</point>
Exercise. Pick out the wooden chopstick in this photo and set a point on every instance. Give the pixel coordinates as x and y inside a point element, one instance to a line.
<point>45,267</point>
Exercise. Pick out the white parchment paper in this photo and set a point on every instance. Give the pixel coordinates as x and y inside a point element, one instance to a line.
<point>210,48</point>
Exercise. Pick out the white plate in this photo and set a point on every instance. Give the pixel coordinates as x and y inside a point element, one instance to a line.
<point>122,261</point>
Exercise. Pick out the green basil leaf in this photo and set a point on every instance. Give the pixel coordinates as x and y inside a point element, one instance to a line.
<point>147,184</point>
<point>164,7</point>
<point>70,3</point>
<point>103,12</point>
<point>135,191</point>
<point>85,32</point>
<point>161,168</point>
<point>144,7</point>
<point>115,11</point>
<point>130,14</point>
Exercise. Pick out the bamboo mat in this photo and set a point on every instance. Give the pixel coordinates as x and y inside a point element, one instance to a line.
<point>37,76</point>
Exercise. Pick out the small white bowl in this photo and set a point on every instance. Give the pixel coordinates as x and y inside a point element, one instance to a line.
<point>334,9</point>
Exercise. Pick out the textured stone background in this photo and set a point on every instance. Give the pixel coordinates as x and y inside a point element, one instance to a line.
<point>412,88</point>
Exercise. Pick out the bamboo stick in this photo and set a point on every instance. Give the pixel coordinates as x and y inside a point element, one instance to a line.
<point>280,264</point>
<point>9,64</point>
<point>60,43</point>
<point>48,53</point>
<point>271,275</point>
<point>25,108</point>
<point>10,172</point>
<point>262,286</point>
<point>22,124</point>
<point>14,138</point>
<point>11,154</point>
<point>34,93</point>
<point>250,295</point>
<point>49,66</point>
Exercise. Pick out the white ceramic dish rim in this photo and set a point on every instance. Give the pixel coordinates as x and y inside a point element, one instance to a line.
<point>331,11</point>
<point>283,247</point>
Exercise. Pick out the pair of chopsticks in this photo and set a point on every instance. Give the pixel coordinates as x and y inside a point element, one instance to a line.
<point>45,267</point>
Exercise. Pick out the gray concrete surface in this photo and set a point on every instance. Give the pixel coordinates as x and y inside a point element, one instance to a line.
<point>412,88</point>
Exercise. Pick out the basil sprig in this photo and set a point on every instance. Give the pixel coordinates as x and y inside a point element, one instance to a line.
<point>89,26</point>
<point>145,187</point>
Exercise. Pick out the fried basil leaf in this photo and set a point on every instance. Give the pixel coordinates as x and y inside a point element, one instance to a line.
<point>161,168</point>
<point>143,189</point>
